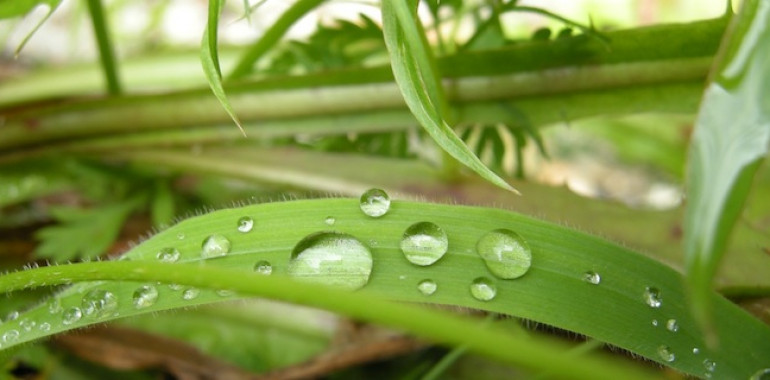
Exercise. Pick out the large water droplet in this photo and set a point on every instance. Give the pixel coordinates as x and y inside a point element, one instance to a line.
<point>190,294</point>
<point>10,336</point>
<point>592,277</point>
<point>483,289</point>
<point>99,303</point>
<point>71,315</point>
<point>145,296</point>
<point>427,287</point>
<point>664,352</point>
<point>672,325</point>
<point>424,243</point>
<point>762,374</point>
<point>245,224</point>
<point>652,297</point>
<point>506,254</point>
<point>263,267</point>
<point>331,258</point>
<point>168,255</point>
<point>375,203</point>
<point>214,246</point>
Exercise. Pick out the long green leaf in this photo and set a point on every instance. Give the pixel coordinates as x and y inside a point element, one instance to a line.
<point>612,307</point>
<point>210,61</point>
<point>420,85</point>
<point>731,137</point>
<point>106,51</point>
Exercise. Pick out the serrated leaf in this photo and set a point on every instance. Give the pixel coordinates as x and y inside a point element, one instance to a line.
<point>731,137</point>
<point>420,85</point>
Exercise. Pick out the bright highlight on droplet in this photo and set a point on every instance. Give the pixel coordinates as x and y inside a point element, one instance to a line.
<point>427,287</point>
<point>263,267</point>
<point>71,315</point>
<point>168,255</point>
<point>331,258</point>
<point>190,294</point>
<point>483,289</point>
<point>375,203</point>
<point>664,352</point>
<point>99,303</point>
<point>652,297</point>
<point>330,220</point>
<point>672,325</point>
<point>214,246</point>
<point>424,243</point>
<point>145,296</point>
<point>245,224</point>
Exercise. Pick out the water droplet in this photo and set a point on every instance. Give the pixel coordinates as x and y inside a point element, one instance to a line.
<point>214,246</point>
<point>27,324</point>
<point>180,236</point>
<point>506,254</point>
<point>263,267</point>
<point>664,352</point>
<point>99,303</point>
<point>45,326</point>
<point>71,315</point>
<point>424,243</point>
<point>145,296</point>
<point>672,325</point>
<point>592,277</point>
<point>375,203</point>
<point>655,322</point>
<point>190,294</point>
<point>427,287</point>
<point>12,316</point>
<point>225,292</point>
<point>331,258</point>
<point>483,289</point>
<point>175,287</point>
<point>330,220</point>
<point>245,224</point>
<point>709,365</point>
<point>762,374</point>
<point>10,336</point>
<point>54,306</point>
<point>696,350</point>
<point>168,255</point>
<point>652,297</point>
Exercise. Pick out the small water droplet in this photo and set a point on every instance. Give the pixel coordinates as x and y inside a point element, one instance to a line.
<point>655,322</point>
<point>245,224</point>
<point>214,246</point>
<point>709,365</point>
<point>696,350</point>
<point>12,316</point>
<point>664,352</point>
<point>190,294</point>
<point>27,324</point>
<point>483,289</point>
<point>331,258</point>
<point>427,287</point>
<point>45,326</point>
<point>145,296</point>
<point>54,306</point>
<point>375,203</point>
<point>506,253</point>
<point>175,287</point>
<point>592,277</point>
<point>180,236</point>
<point>652,297</point>
<point>330,220</point>
<point>225,292</point>
<point>402,277</point>
<point>10,336</point>
<point>99,303</point>
<point>263,267</point>
<point>762,374</point>
<point>168,255</point>
<point>71,315</point>
<point>672,325</point>
<point>424,243</point>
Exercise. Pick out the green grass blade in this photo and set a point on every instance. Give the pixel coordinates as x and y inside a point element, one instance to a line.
<point>210,61</point>
<point>10,9</point>
<point>420,86</point>
<point>554,291</point>
<point>106,51</point>
<point>731,137</point>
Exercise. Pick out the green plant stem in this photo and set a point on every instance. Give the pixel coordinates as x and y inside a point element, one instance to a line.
<point>106,52</point>
<point>441,327</point>
<point>272,36</point>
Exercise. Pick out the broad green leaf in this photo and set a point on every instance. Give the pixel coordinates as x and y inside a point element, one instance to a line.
<point>731,137</point>
<point>576,282</point>
<point>210,61</point>
<point>416,76</point>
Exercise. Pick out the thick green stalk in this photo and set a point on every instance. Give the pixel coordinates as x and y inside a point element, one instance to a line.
<point>106,52</point>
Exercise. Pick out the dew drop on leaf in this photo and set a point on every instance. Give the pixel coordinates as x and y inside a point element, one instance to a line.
<point>330,220</point>
<point>652,297</point>
<point>709,365</point>
<point>99,303</point>
<point>10,336</point>
<point>672,325</point>
<point>655,322</point>
<point>27,324</point>
<point>331,258</point>
<point>54,306</point>
<point>180,236</point>
<point>12,316</point>
<point>214,246</point>
<point>168,255</point>
<point>263,267</point>
<point>506,253</point>
<point>696,350</point>
<point>190,294</point>
<point>483,289</point>
<point>145,296</point>
<point>424,243</point>
<point>45,326</point>
<point>225,292</point>
<point>762,374</point>
<point>592,277</point>
<point>245,224</point>
<point>427,287</point>
<point>664,352</point>
<point>71,315</point>
<point>375,203</point>
<point>175,287</point>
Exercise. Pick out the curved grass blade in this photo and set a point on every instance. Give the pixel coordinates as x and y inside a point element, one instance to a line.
<point>106,51</point>
<point>731,137</point>
<point>417,78</point>
<point>577,282</point>
<point>210,61</point>
<point>10,9</point>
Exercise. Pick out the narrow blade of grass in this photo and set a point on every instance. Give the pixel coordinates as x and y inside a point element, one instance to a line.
<point>106,51</point>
